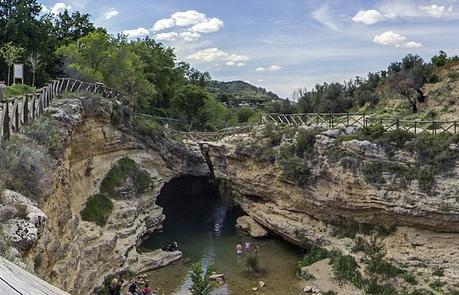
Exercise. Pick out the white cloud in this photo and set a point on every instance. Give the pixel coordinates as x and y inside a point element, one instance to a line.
<point>260,80</point>
<point>111,12</point>
<point>368,17</point>
<point>135,33</point>
<point>215,55</point>
<point>163,24</point>
<point>389,38</point>
<point>209,26</point>
<point>323,15</point>
<point>410,9</point>
<point>188,18</point>
<point>187,25</point>
<point>435,10</point>
<point>169,36</point>
<point>413,44</point>
<point>271,68</point>
<point>189,36</point>
<point>394,39</point>
<point>58,8</point>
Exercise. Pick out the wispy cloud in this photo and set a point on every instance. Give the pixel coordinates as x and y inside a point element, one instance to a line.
<point>110,13</point>
<point>324,16</point>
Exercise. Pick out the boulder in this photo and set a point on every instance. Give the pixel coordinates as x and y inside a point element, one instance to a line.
<point>249,225</point>
<point>153,260</point>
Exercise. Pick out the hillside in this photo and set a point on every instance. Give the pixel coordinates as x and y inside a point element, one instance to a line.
<point>442,98</point>
<point>240,92</point>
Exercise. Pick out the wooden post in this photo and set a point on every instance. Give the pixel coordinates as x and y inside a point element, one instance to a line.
<point>397,124</point>
<point>434,127</point>
<point>415,127</point>
<point>6,121</point>
<point>25,110</point>
<point>34,106</point>
<point>15,114</point>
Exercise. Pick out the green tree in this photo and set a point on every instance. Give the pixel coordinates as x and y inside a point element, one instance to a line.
<point>34,60</point>
<point>10,54</point>
<point>441,59</point>
<point>190,106</point>
<point>201,280</point>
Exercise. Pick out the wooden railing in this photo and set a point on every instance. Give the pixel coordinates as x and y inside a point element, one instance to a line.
<point>331,121</point>
<point>19,111</point>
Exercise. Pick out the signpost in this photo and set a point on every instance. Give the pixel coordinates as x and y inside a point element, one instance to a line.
<point>18,73</point>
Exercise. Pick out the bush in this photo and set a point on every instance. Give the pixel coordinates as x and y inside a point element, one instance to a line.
<point>45,132</point>
<point>426,179</point>
<point>295,169</point>
<point>18,90</point>
<point>344,267</point>
<point>25,168</point>
<point>313,255</point>
<point>120,174</point>
<point>437,285</point>
<point>307,276</point>
<point>97,209</point>
<point>148,127</point>
<point>252,264</point>
<point>5,244</point>
<point>304,145</point>
<point>409,278</point>
<point>200,280</point>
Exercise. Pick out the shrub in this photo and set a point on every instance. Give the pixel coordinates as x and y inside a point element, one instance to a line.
<point>307,276</point>
<point>25,168</point>
<point>295,169</point>
<point>436,285</point>
<point>97,209</point>
<point>313,255</point>
<point>200,280</point>
<point>344,267</point>
<point>5,244</point>
<point>304,145</point>
<point>19,89</point>
<point>148,127</point>
<point>409,278</point>
<point>252,264</point>
<point>119,175</point>
<point>439,272</point>
<point>45,132</point>
<point>426,179</point>
<point>373,172</point>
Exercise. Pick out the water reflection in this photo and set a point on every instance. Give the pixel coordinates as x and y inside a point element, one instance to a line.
<point>204,229</point>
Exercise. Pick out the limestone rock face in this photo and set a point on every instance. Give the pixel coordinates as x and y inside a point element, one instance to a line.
<point>77,255</point>
<point>340,194</point>
<point>251,226</point>
<point>26,221</point>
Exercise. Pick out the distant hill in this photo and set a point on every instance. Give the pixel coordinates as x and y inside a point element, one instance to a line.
<point>241,93</point>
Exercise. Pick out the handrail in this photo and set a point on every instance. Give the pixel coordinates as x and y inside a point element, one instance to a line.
<point>342,120</point>
<point>19,111</point>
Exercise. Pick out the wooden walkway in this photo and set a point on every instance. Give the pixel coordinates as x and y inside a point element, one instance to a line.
<point>332,121</point>
<point>16,281</point>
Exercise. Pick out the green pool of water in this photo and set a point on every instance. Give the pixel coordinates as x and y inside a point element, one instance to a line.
<point>205,231</point>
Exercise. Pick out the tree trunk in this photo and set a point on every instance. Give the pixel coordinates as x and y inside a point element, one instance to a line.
<point>9,75</point>
<point>33,79</point>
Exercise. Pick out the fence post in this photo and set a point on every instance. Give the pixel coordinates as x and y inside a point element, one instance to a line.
<point>397,124</point>
<point>434,126</point>
<point>415,127</point>
<point>6,121</point>
<point>25,110</point>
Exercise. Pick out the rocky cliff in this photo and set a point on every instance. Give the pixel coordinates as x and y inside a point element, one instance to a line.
<point>421,227</point>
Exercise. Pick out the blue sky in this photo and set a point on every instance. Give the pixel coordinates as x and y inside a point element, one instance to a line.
<point>283,45</point>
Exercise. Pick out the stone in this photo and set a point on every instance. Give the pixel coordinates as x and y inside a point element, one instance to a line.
<point>249,225</point>
<point>261,284</point>
<point>255,289</point>
<point>307,289</point>
<point>216,277</point>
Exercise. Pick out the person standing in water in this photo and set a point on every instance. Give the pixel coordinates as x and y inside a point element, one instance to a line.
<point>239,249</point>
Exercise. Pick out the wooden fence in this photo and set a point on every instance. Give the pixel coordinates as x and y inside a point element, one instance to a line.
<point>19,111</point>
<point>361,120</point>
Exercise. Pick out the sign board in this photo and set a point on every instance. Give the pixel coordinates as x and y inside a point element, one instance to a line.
<point>19,71</point>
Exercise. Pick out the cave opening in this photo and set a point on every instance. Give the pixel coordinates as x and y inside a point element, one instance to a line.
<point>199,220</point>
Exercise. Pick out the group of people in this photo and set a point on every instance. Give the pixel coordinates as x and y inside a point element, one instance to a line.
<point>117,285</point>
<point>248,247</point>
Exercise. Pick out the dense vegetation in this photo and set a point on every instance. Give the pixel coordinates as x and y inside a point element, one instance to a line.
<point>235,93</point>
<point>402,79</point>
